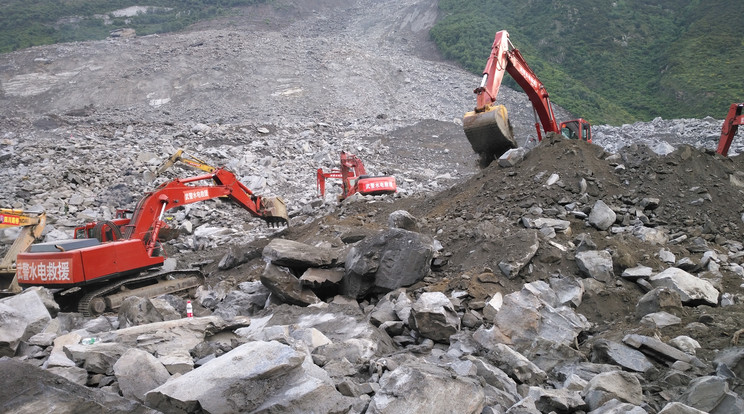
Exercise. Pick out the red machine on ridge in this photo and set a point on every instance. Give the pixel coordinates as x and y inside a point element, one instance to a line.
<point>488,128</point>
<point>734,118</point>
<point>354,179</point>
<point>123,248</point>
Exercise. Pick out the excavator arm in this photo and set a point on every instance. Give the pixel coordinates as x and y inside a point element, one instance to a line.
<point>31,224</point>
<point>150,209</point>
<point>505,58</point>
<point>487,127</point>
<point>731,124</point>
<point>181,156</point>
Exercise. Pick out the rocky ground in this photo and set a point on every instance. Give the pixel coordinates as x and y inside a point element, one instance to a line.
<point>582,278</point>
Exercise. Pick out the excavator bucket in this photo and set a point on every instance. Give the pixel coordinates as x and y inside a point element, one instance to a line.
<point>275,212</point>
<point>489,132</point>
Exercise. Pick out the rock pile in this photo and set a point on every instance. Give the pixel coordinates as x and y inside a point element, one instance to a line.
<point>566,278</point>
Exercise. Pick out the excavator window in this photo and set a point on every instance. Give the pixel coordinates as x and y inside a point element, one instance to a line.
<point>570,131</point>
<point>586,132</point>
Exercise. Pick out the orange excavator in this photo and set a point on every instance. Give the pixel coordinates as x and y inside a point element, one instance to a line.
<point>487,127</point>
<point>731,124</point>
<point>354,179</point>
<point>98,273</point>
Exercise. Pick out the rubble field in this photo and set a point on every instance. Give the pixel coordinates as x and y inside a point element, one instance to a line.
<point>566,277</point>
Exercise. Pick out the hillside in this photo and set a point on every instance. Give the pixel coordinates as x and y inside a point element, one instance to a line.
<point>611,61</point>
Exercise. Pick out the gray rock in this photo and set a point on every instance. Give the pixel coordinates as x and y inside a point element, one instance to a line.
<point>512,157</point>
<point>596,264</point>
<point>531,313</point>
<point>418,388</point>
<point>288,288</point>
<point>619,385</point>
<point>23,316</point>
<point>178,361</point>
<point>25,388</point>
<point>619,354</point>
<point>660,320</point>
<point>656,300</point>
<point>256,376</point>
<point>401,219</point>
<point>692,290</point>
<point>511,262</point>
<point>712,395</point>
<point>317,278</point>
<point>242,303</point>
<point>637,272</point>
<point>352,336</point>
<point>98,357</point>
<point>601,216</point>
<point>656,348</point>
<point>162,338</point>
<point>290,253</point>
<point>135,311</point>
<point>139,372</point>
<point>516,365</point>
<point>685,344</point>
<point>679,408</point>
<point>617,407</point>
<point>556,400</point>
<point>384,262</point>
<point>434,317</point>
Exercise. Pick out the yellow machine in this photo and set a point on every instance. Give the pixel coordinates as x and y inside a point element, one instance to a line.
<point>180,156</point>
<point>31,224</point>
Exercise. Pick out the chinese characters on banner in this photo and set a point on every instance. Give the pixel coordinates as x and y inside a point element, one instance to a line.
<point>44,270</point>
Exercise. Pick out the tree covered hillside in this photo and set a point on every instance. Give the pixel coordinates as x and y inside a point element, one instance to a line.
<point>31,23</point>
<point>612,61</point>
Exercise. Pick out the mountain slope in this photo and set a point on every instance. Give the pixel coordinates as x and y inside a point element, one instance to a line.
<point>610,61</point>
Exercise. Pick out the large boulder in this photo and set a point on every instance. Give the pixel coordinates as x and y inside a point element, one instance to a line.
<point>254,377</point>
<point>386,261</point>
<point>25,388</point>
<point>434,317</point>
<point>418,388</point>
<point>692,290</point>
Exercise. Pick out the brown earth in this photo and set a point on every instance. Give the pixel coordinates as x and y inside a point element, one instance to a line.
<point>476,218</point>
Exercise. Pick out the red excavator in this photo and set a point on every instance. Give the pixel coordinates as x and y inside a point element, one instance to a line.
<point>734,118</point>
<point>488,128</point>
<point>354,179</point>
<point>108,256</point>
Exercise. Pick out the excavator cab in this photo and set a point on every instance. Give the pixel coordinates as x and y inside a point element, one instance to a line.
<point>578,129</point>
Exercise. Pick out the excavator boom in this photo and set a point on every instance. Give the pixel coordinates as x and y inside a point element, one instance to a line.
<point>32,225</point>
<point>487,127</point>
<point>731,124</point>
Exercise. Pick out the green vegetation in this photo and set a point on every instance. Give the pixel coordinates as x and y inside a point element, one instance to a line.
<point>611,61</point>
<point>31,23</point>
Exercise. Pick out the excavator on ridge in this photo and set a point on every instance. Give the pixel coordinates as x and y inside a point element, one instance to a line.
<point>487,127</point>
